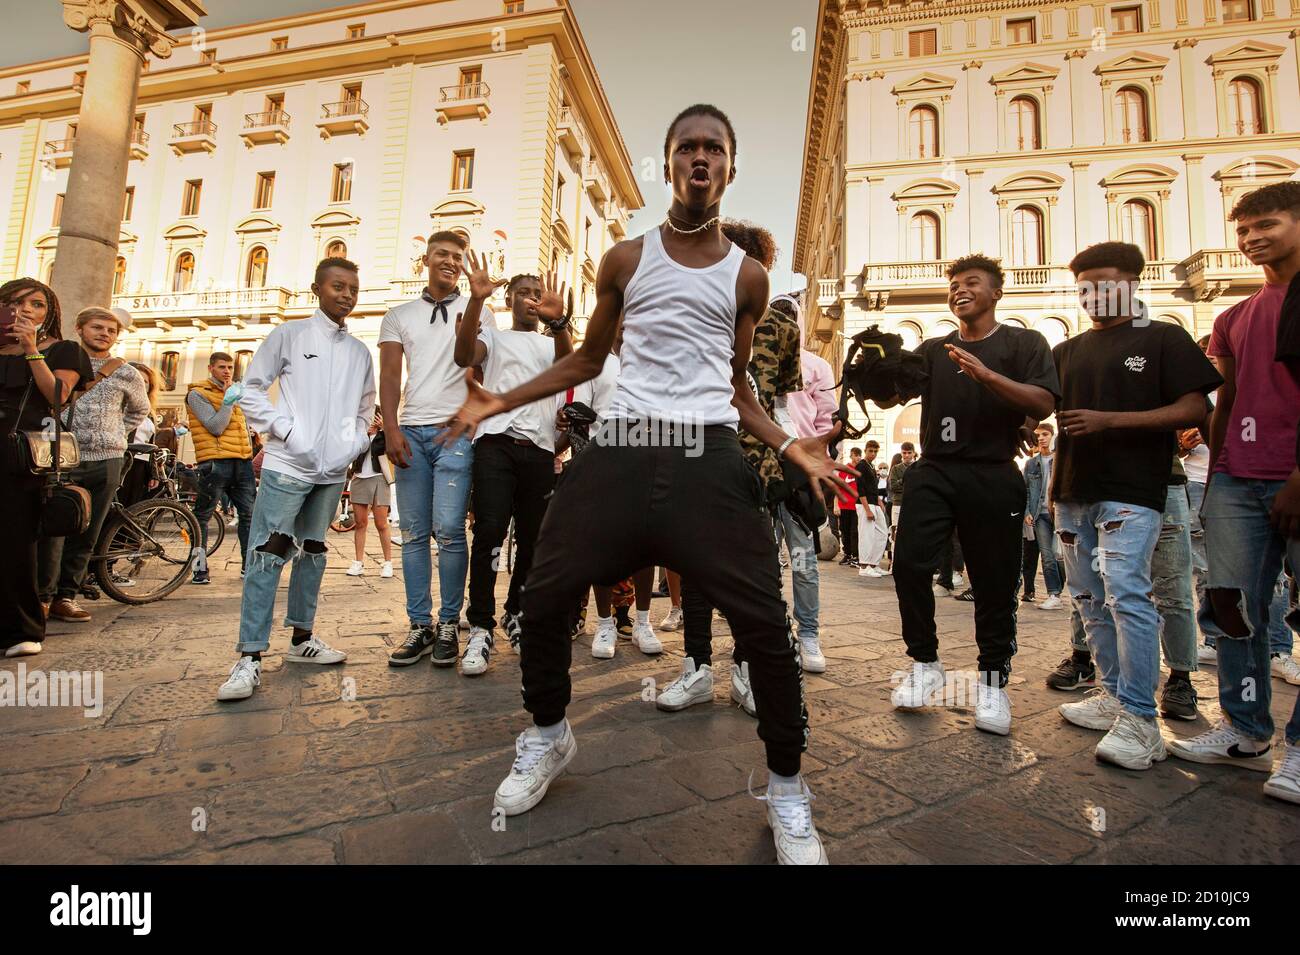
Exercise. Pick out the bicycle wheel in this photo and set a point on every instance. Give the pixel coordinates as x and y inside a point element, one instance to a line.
<point>216,532</point>
<point>146,551</point>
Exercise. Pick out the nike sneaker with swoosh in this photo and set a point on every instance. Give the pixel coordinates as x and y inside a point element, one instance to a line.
<point>1224,744</point>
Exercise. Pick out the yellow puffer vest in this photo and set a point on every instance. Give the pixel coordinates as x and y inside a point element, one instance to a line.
<point>231,443</point>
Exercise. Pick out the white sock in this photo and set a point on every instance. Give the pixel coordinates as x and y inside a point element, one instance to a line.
<point>553,732</point>
<point>643,617</point>
<point>783,785</point>
<point>608,620</point>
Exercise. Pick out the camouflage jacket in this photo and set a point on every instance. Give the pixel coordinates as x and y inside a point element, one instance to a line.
<point>774,370</point>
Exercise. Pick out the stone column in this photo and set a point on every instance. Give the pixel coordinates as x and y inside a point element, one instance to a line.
<point>121,31</point>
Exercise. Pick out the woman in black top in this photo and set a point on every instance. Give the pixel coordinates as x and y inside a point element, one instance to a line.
<point>38,358</point>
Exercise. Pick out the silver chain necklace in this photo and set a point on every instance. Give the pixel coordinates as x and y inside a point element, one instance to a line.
<point>700,228</point>
<point>996,326</point>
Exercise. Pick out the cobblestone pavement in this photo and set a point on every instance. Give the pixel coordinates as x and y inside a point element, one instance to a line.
<point>405,771</point>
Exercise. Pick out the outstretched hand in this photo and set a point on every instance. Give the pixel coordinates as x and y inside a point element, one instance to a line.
<point>812,455</point>
<point>550,307</point>
<point>480,404</point>
<point>481,284</point>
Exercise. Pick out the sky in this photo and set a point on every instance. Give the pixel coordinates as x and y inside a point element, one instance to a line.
<point>750,58</point>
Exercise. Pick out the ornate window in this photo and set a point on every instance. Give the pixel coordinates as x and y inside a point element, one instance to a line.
<point>922,102</point>
<point>183,273</point>
<point>1245,117</point>
<point>337,249</point>
<point>1026,236</point>
<point>255,270</point>
<point>923,123</point>
<point>1131,123</point>
<point>1128,86</point>
<point>1245,76</point>
<point>1137,198</point>
<point>923,209</point>
<point>923,237</point>
<point>1023,95</point>
<point>1023,124</point>
<point>1137,224</point>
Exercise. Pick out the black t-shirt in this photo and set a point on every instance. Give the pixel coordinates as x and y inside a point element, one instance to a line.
<point>963,420</point>
<point>1124,368</point>
<point>867,482</point>
<point>15,373</point>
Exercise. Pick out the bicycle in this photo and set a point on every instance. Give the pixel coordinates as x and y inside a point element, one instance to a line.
<point>346,520</point>
<point>182,485</point>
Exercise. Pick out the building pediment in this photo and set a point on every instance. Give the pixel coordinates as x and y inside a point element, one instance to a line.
<point>1037,181</point>
<point>560,233</point>
<point>923,190</point>
<point>1026,74</point>
<point>335,219</point>
<point>1264,169</point>
<point>257,223</point>
<point>458,207</point>
<point>1247,53</point>
<point>1136,63</point>
<point>1143,174</point>
<point>923,84</point>
<point>184,230</point>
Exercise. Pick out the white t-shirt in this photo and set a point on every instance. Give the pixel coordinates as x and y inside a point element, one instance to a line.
<point>367,466</point>
<point>598,393</point>
<point>1197,464</point>
<point>435,384</point>
<point>512,359</point>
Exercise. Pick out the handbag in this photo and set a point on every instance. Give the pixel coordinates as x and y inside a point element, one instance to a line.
<point>66,510</point>
<point>35,450</point>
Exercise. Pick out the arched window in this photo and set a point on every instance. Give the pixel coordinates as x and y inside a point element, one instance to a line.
<point>171,362</point>
<point>1026,236</point>
<point>119,275</point>
<point>910,334</point>
<point>1131,118</point>
<point>183,273</point>
<point>337,249</point>
<point>1023,117</point>
<point>925,132</point>
<point>1137,224</point>
<point>1244,113</point>
<point>242,358</point>
<point>49,272</point>
<point>945,327</point>
<point>255,272</point>
<point>1054,330</point>
<point>924,237</point>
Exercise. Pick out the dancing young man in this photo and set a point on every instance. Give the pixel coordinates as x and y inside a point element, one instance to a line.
<point>689,300</point>
<point>985,378</point>
<point>514,452</point>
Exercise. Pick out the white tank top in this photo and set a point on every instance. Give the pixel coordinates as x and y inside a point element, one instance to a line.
<point>679,337</point>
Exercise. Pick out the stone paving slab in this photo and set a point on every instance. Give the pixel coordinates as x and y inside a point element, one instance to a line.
<point>363,763</point>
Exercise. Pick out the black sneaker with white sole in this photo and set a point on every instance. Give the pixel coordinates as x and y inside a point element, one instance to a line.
<point>1178,700</point>
<point>418,642</point>
<point>514,629</point>
<point>1073,674</point>
<point>446,645</point>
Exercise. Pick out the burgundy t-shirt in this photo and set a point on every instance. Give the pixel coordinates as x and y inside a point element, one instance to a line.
<point>1261,438</point>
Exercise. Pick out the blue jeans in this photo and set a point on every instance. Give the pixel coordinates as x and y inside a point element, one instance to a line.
<point>1045,535</point>
<point>432,496</point>
<point>803,572</point>
<point>1244,553</point>
<point>1107,549</point>
<point>221,478</point>
<point>299,510</point>
<point>1171,576</point>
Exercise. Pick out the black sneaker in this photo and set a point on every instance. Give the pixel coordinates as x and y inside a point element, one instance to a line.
<point>446,645</point>
<point>623,622</point>
<point>1027,598</point>
<point>200,577</point>
<point>418,642</point>
<point>1178,700</point>
<point>514,629</point>
<point>1073,674</point>
<point>967,595</point>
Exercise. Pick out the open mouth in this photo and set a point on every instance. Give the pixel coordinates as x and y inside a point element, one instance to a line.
<point>700,177</point>
<point>964,300</point>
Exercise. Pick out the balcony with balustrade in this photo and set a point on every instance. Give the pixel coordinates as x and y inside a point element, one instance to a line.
<point>269,126</point>
<point>58,152</point>
<point>196,137</point>
<point>572,136</point>
<point>462,100</point>
<point>138,148</point>
<point>347,116</point>
<point>1211,272</point>
<point>595,180</point>
<point>198,308</point>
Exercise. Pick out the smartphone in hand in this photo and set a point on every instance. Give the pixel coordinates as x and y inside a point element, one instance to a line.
<point>8,318</point>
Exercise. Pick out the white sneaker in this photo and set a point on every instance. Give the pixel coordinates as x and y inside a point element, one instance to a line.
<point>357,569</point>
<point>1133,742</point>
<point>1207,655</point>
<point>1052,602</point>
<point>1285,781</point>
<point>992,709</point>
<point>538,761</point>
<point>643,637</point>
<point>673,620</point>
<point>918,688</point>
<point>1284,667</point>
<point>958,581</point>
<point>941,591</point>
<point>1224,744</point>
<point>474,661</point>
<point>387,569</point>
<point>245,676</point>
<point>867,570</point>
<point>605,640</point>
<point>811,651</point>
<point>741,692</point>
<point>395,539</point>
<point>790,816</point>
<point>1096,711</point>
<point>693,686</point>
<point>314,650</point>
<point>28,648</point>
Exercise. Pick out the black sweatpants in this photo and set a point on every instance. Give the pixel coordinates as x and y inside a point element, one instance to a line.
<point>952,560</point>
<point>849,532</point>
<point>21,505</point>
<point>618,509</point>
<point>1029,566</point>
<point>510,479</point>
<point>986,505</point>
<point>697,628</point>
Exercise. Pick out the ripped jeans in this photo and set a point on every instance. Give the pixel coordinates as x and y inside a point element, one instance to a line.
<point>1244,553</point>
<point>301,511</point>
<point>1107,550</point>
<point>432,497</point>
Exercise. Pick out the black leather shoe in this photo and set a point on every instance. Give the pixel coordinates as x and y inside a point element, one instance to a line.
<point>418,642</point>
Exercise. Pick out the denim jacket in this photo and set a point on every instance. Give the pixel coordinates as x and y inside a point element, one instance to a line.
<point>1033,484</point>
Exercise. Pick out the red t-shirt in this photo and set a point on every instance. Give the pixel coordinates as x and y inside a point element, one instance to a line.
<point>847,502</point>
<point>1261,438</point>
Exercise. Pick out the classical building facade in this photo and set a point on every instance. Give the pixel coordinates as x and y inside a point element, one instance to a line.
<point>357,130</point>
<point>1027,131</point>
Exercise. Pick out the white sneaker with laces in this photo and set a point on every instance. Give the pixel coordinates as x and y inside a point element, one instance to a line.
<point>474,661</point>
<point>1284,667</point>
<point>1053,602</point>
<point>538,761</point>
<point>357,569</point>
<point>245,676</point>
<point>992,709</point>
<point>1207,655</point>
<point>1223,744</point>
<point>314,650</point>
<point>1285,781</point>
<point>387,569</point>
<point>1096,711</point>
<point>868,570</point>
<point>814,661</point>
<point>692,687</point>
<point>789,813</point>
<point>28,648</point>
<point>741,692</point>
<point>645,640</point>
<point>605,640</point>
<point>920,685</point>
<point>941,591</point>
<point>1133,742</point>
<point>672,620</point>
